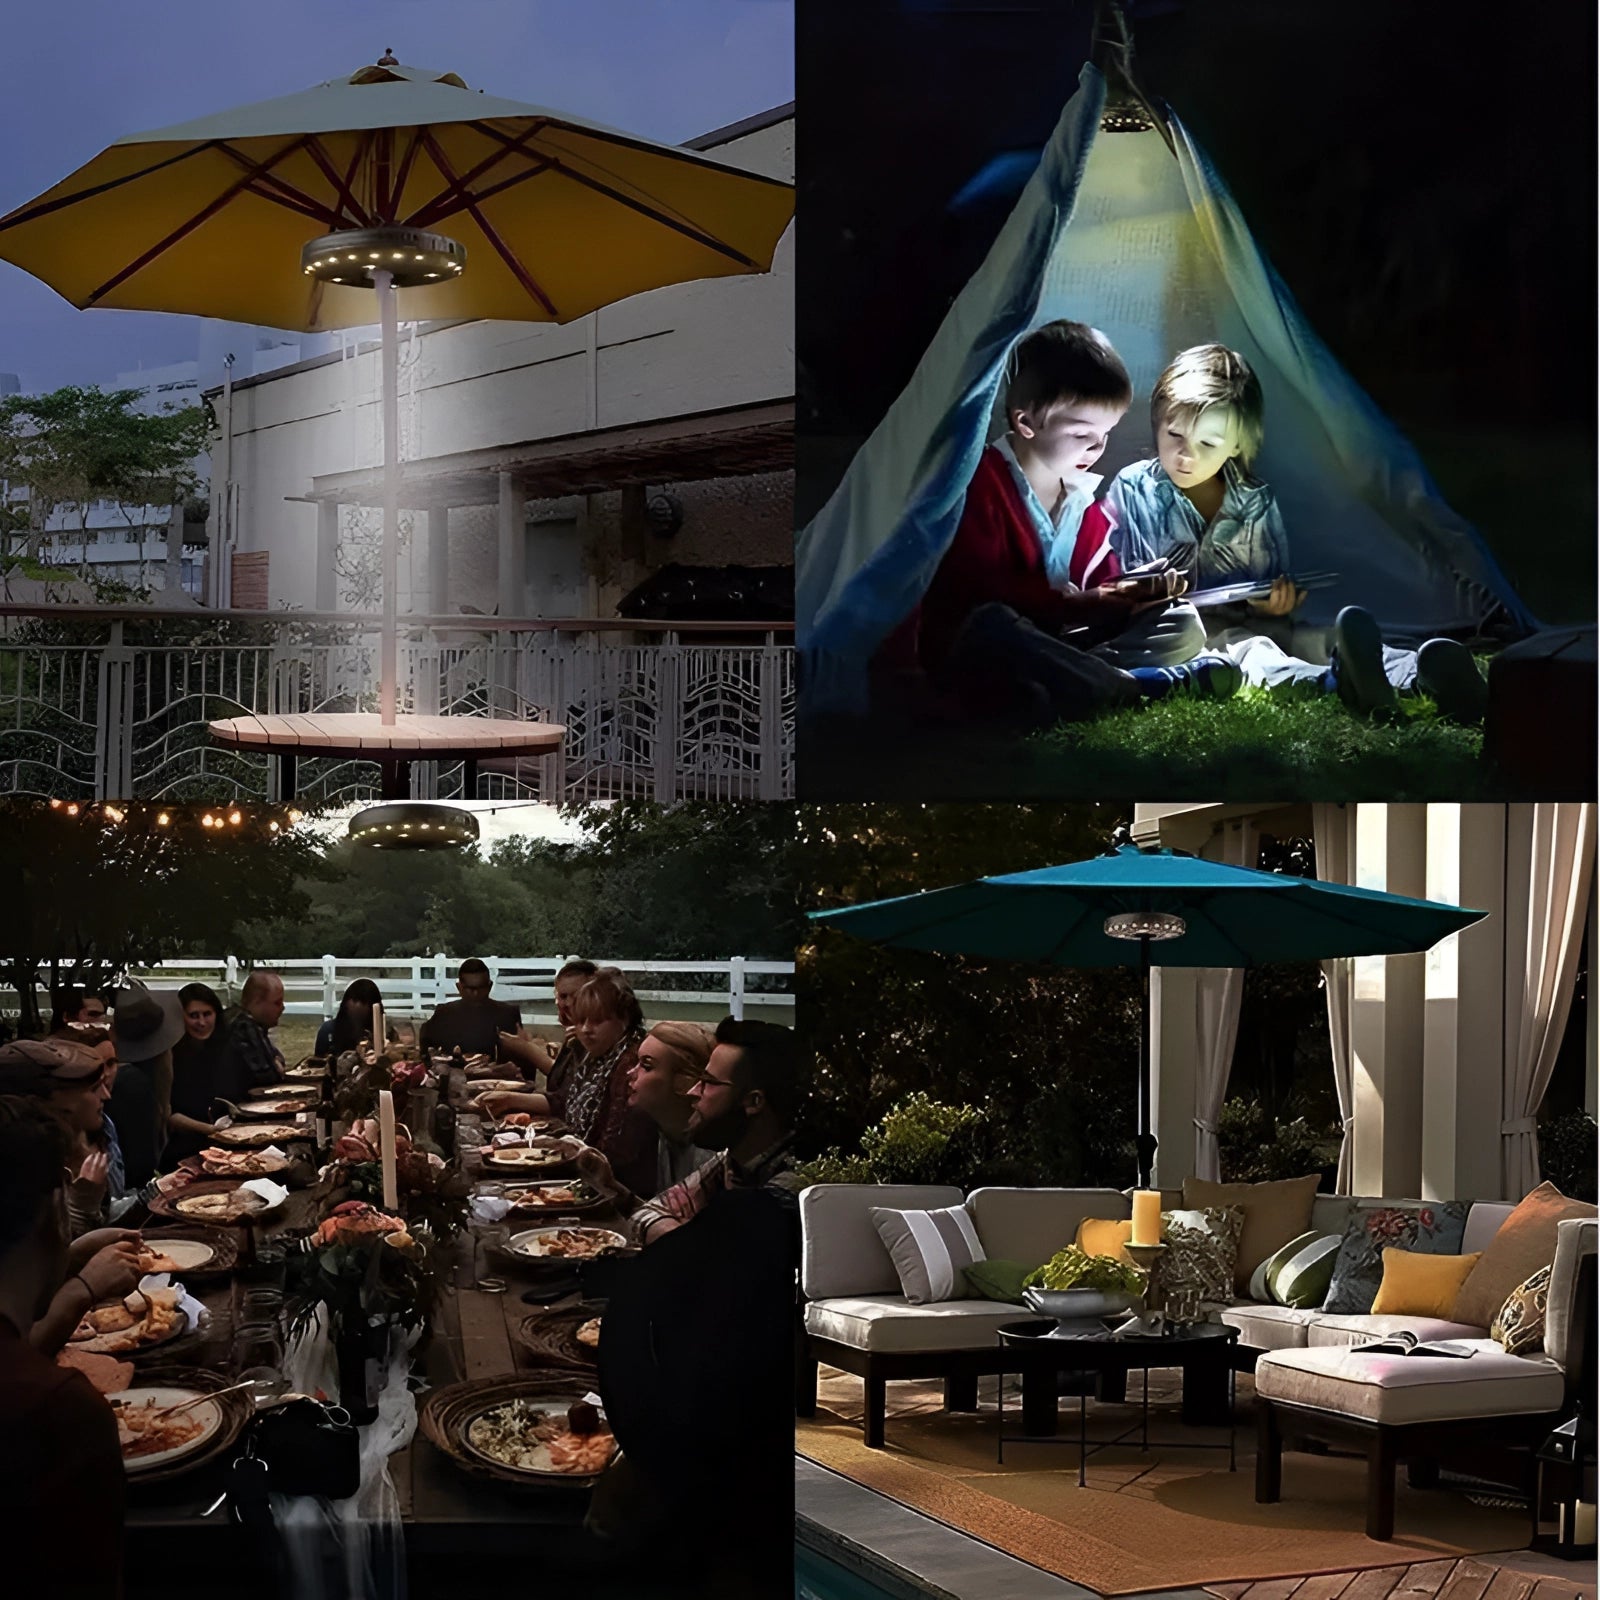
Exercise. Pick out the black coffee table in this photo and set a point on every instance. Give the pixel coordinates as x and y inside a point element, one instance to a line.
<point>1203,1353</point>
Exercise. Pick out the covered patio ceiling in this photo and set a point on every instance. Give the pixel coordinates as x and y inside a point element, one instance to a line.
<point>707,444</point>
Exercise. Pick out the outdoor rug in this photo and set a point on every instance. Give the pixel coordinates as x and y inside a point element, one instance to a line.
<point>1163,1520</point>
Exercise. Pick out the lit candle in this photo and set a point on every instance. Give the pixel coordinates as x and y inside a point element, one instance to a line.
<point>1146,1217</point>
<point>391,1197</point>
<point>379,1037</point>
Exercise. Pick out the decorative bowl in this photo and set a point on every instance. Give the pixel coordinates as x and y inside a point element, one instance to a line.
<point>1080,1313</point>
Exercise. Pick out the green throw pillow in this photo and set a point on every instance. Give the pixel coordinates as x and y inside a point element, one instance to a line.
<point>1298,1275</point>
<point>997,1280</point>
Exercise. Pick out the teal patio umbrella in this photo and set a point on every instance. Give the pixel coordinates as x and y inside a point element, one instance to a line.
<point>1142,908</point>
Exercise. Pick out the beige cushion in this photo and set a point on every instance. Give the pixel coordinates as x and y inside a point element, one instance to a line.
<point>1032,1224</point>
<point>841,1252</point>
<point>887,1322</point>
<point>1329,1329</point>
<point>1399,1389</point>
<point>1484,1221</point>
<point>1575,1239</point>
<point>1330,1212</point>
<point>1525,1242</point>
<point>1274,1213</point>
<point>1270,1327</point>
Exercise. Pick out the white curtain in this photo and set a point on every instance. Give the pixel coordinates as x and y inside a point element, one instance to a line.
<point>1333,832</point>
<point>1541,964</point>
<point>1217,993</point>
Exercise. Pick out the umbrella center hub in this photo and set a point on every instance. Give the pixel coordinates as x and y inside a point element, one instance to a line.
<point>407,825</point>
<point>413,257</point>
<point>1145,925</point>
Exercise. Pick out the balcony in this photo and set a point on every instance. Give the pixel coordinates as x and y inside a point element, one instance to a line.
<point>661,711</point>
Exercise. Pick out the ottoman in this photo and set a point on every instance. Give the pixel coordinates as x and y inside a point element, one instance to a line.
<point>1398,1408</point>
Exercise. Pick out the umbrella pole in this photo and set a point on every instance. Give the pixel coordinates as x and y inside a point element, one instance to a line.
<point>1145,1144</point>
<point>389,645</point>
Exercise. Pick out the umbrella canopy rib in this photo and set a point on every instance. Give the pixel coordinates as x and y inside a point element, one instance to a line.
<point>413,145</point>
<point>687,229</point>
<point>61,202</point>
<point>346,185</point>
<point>1067,934</point>
<point>270,187</point>
<point>453,196</point>
<point>184,229</point>
<point>381,158</point>
<point>501,248</point>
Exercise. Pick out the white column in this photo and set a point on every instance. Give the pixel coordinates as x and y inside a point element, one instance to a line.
<point>1464,1018</point>
<point>1172,1072</point>
<point>513,554</point>
<point>1386,1013</point>
<point>327,554</point>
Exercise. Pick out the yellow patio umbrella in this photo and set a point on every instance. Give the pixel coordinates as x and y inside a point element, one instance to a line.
<point>289,212</point>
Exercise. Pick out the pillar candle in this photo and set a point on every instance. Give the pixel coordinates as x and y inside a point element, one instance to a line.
<point>391,1198</point>
<point>1146,1217</point>
<point>379,1036</point>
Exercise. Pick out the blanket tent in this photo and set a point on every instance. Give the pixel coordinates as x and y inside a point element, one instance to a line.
<point>1128,226</point>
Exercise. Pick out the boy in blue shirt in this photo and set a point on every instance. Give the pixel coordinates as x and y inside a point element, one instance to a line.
<point>1198,504</point>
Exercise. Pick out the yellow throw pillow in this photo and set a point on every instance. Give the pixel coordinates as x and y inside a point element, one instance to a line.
<point>1101,1238</point>
<point>1419,1285</point>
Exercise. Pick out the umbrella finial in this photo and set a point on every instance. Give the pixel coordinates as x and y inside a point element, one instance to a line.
<point>388,58</point>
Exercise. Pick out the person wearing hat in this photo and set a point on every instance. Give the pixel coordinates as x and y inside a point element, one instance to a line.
<point>145,1025</point>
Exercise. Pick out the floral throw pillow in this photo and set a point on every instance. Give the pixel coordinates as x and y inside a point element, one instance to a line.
<point>1202,1246</point>
<point>1434,1228</point>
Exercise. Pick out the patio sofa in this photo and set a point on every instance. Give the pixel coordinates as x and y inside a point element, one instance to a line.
<point>857,1319</point>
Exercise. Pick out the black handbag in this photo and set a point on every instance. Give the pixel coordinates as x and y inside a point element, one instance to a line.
<point>307,1448</point>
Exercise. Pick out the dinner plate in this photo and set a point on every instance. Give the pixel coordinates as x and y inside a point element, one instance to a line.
<point>177,1331</point>
<point>522,1201</point>
<point>526,1243</point>
<point>184,1206</point>
<point>269,1165</point>
<point>188,1253</point>
<point>208,1413</point>
<point>552,1473</point>
<point>261,1133</point>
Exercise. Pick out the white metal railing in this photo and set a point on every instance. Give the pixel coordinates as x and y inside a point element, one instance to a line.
<point>665,719</point>
<point>413,986</point>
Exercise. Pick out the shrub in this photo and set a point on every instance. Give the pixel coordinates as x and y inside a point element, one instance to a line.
<point>919,1140</point>
<point>1567,1153</point>
<point>1254,1150</point>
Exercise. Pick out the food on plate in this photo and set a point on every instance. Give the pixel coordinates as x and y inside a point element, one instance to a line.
<point>278,1107</point>
<point>551,1196</point>
<point>152,1259</point>
<point>107,1374</point>
<point>144,1428</point>
<point>588,1334</point>
<point>228,1206</point>
<point>525,1155</point>
<point>144,1318</point>
<point>259,1133</point>
<point>241,1163</point>
<point>535,1437</point>
<point>573,1244</point>
<point>354,1220</point>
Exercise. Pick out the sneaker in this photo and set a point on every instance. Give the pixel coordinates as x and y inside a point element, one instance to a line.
<point>1209,676</point>
<point>1357,663</point>
<point>1447,672</point>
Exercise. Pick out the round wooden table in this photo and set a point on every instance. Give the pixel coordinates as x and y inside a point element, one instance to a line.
<point>362,736</point>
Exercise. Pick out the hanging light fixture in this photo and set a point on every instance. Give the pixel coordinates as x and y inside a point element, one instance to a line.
<point>412,257</point>
<point>413,825</point>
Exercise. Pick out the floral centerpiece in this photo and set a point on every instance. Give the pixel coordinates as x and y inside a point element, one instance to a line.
<point>429,1193</point>
<point>363,1266</point>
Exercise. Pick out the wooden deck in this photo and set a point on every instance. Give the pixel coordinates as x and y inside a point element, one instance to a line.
<point>1473,1578</point>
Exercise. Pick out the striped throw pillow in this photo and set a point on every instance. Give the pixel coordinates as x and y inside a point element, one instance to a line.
<point>1297,1275</point>
<point>931,1251</point>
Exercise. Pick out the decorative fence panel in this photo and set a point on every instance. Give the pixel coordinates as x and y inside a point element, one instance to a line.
<point>663,720</point>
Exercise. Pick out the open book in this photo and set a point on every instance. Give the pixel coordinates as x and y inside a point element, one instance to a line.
<point>1408,1344</point>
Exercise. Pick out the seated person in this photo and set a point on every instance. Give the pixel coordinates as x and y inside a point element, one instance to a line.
<point>352,1022</point>
<point>744,1105</point>
<point>84,1008</point>
<point>61,1474</point>
<point>1030,612</point>
<point>253,1059</point>
<point>199,1066</point>
<point>131,1117</point>
<point>145,1025</point>
<point>673,1058</point>
<point>473,1024</point>
<point>1197,505</point>
<point>73,1082</point>
<point>534,1056</point>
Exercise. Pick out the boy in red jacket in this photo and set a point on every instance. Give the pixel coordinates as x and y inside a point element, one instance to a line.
<point>1029,612</point>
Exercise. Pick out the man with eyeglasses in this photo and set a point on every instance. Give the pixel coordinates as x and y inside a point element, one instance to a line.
<point>61,1475</point>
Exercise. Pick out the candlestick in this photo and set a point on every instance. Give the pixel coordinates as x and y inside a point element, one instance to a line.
<point>391,1196</point>
<point>1146,1217</point>
<point>379,1037</point>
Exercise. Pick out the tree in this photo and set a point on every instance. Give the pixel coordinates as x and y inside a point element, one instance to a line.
<point>92,890</point>
<point>78,444</point>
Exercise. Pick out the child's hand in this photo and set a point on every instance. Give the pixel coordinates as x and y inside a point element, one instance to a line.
<point>1283,599</point>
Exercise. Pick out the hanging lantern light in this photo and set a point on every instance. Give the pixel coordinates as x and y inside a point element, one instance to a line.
<point>413,825</point>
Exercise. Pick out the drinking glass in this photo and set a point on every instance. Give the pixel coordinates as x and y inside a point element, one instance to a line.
<point>258,1359</point>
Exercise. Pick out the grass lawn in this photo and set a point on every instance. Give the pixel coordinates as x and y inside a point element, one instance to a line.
<point>1256,746</point>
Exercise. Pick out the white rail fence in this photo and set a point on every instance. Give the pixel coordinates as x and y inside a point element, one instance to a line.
<point>661,720</point>
<point>412,986</point>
